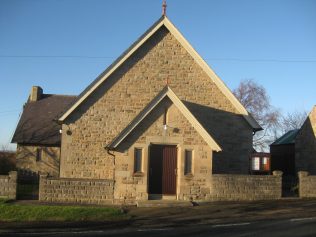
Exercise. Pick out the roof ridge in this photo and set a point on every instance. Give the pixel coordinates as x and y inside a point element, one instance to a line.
<point>61,95</point>
<point>283,139</point>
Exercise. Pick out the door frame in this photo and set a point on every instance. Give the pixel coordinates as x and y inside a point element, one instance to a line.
<point>178,167</point>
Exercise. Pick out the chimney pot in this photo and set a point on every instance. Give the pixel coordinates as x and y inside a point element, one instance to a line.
<point>36,93</point>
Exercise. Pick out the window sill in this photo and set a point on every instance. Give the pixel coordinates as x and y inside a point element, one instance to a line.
<point>138,174</point>
<point>189,176</point>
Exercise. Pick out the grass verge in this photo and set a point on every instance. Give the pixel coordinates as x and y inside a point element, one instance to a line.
<point>10,212</point>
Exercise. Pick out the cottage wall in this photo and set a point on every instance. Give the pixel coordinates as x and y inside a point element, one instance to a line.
<point>305,145</point>
<point>26,159</point>
<point>107,111</point>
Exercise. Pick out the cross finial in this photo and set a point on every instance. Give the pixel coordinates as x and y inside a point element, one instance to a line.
<point>164,8</point>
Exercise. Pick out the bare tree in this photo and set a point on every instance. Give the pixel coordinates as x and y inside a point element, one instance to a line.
<point>293,120</point>
<point>7,160</point>
<point>256,100</point>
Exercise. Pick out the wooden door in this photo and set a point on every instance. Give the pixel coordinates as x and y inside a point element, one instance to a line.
<point>169,169</point>
<point>162,169</point>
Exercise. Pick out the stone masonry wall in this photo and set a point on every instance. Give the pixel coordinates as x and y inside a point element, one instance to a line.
<point>307,185</point>
<point>8,185</point>
<point>107,111</point>
<point>305,145</point>
<point>130,187</point>
<point>76,190</point>
<point>49,163</point>
<point>246,187</point>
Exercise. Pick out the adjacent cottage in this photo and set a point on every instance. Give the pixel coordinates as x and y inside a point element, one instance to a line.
<point>296,150</point>
<point>283,153</point>
<point>305,145</point>
<point>37,134</point>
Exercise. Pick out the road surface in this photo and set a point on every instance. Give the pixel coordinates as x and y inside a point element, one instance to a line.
<point>289,227</point>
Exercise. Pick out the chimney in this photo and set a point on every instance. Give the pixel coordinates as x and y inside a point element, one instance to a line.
<point>36,93</point>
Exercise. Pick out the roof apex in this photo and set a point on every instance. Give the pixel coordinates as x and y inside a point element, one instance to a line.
<point>165,92</point>
<point>164,21</point>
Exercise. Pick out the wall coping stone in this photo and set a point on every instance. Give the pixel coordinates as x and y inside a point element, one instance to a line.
<point>277,173</point>
<point>78,179</point>
<point>12,175</point>
<point>302,174</point>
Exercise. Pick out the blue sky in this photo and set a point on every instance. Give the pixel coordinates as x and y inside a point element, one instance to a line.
<point>62,45</point>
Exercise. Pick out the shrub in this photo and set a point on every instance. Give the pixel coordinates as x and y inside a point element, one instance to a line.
<point>7,162</point>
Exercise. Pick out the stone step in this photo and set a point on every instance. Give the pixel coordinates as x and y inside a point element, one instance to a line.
<point>164,203</point>
<point>161,197</point>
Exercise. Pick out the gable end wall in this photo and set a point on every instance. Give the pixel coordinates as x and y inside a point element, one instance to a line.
<point>106,112</point>
<point>305,145</point>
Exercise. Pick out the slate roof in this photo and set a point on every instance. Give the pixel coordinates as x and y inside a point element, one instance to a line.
<point>287,138</point>
<point>38,124</point>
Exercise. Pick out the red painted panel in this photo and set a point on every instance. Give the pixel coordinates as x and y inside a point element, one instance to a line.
<point>169,177</point>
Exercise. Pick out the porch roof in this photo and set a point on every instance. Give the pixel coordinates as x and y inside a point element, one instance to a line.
<point>166,92</point>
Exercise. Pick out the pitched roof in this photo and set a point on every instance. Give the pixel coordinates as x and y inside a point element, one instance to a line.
<point>163,21</point>
<point>287,138</point>
<point>166,92</point>
<point>37,125</point>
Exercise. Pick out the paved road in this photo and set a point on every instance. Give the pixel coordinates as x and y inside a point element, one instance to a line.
<point>290,227</point>
<point>286,217</point>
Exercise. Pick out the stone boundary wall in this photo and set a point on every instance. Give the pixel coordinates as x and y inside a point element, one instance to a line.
<point>307,185</point>
<point>8,185</point>
<point>85,191</point>
<point>246,187</point>
<point>223,187</point>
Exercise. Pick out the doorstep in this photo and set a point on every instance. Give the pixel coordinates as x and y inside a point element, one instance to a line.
<point>164,203</point>
<point>162,197</point>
